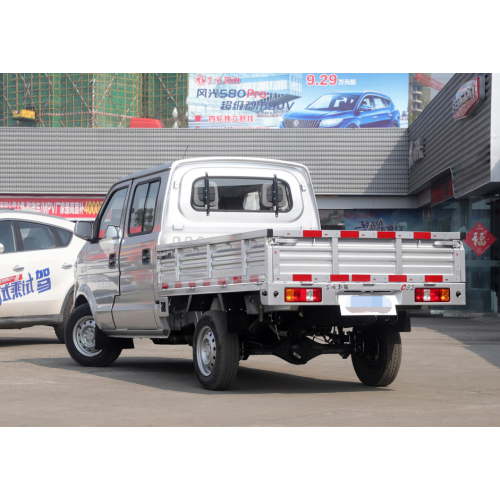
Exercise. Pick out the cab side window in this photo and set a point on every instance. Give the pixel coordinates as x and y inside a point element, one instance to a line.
<point>36,236</point>
<point>142,214</point>
<point>112,214</point>
<point>7,238</point>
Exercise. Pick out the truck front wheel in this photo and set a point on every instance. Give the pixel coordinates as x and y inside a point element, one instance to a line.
<point>378,356</point>
<point>80,340</point>
<point>215,352</point>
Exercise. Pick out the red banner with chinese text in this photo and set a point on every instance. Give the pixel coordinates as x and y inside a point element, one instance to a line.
<point>74,208</point>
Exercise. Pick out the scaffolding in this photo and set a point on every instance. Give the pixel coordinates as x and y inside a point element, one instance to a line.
<point>71,99</point>
<point>164,97</point>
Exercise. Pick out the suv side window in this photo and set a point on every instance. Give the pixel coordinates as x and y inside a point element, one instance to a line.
<point>7,238</point>
<point>378,103</point>
<point>112,213</point>
<point>367,101</point>
<point>36,236</point>
<point>142,213</point>
<point>64,235</point>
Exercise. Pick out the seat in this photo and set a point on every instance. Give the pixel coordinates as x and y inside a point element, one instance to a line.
<point>31,243</point>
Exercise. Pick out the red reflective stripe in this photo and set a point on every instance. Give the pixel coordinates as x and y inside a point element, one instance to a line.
<point>134,230</point>
<point>192,284</point>
<point>386,234</point>
<point>302,277</point>
<point>254,278</point>
<point>398,278</point>
<point>237,279</point>
<point>178,284</point>
<point>421,236</point>
<point>222,281</point>
<point>206,283</point>
<point>361,277</point>
<point>339,277</point>
<point>164,286</point>
<point>433,279</point>
<point>313,234</point>
<point>349,234</point>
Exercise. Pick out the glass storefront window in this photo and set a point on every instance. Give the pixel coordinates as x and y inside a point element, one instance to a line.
<point>483,271</point>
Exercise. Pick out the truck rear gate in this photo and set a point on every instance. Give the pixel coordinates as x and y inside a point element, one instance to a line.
<point>338,262</point>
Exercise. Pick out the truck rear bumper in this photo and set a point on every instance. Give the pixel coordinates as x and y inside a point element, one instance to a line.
<point>403,293</point>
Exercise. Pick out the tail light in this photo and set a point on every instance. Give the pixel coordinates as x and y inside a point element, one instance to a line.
<point>432,294</point>
<point>303,295</point>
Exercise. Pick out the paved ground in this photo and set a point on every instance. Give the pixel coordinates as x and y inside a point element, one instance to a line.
<point>449,377</point>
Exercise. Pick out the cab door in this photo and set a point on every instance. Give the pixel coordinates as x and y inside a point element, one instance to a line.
<point>12,276</point>
<point>134,309</point>
<point>101,271</point>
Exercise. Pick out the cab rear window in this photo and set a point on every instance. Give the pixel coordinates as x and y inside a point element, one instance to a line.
<point>241,194</point>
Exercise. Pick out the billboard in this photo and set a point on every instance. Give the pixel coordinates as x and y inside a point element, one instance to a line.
<point>298,100</point>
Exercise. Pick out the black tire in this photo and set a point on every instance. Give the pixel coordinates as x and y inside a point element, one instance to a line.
<point>78,340</point>
<point>379,364</point>
<point>61,328</point>
<point>394,125</point>
<point>216,364</point>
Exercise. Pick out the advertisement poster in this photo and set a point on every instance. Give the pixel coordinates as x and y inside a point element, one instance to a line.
<point>70,208</point>
<point>383,220</point>
<point>298,100</point>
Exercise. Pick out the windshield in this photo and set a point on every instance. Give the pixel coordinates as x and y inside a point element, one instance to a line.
<point>335,102</point>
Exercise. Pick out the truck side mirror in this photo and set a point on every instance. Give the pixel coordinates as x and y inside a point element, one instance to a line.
<point>1,248</point>
<point>83,229</point>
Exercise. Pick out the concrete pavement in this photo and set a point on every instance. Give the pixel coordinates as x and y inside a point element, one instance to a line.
<point>450,376</point>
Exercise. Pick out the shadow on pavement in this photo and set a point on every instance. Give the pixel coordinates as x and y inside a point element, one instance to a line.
<point>21,341</point>
<point>480,336</point>
<point>173,374</point>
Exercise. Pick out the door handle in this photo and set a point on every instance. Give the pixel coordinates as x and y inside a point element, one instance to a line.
<point>18,268</point>
<point>146,255</point>
<point>67,266</point>
<point>112,260</point>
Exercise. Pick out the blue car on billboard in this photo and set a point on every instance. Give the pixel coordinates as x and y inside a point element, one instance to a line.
<point>345,110</point>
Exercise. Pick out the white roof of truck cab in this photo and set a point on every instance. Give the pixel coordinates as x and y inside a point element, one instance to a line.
<point>32,216</point>
<point>210,159</point>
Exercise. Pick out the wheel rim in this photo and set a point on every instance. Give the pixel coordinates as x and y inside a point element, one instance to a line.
<point>84,336</point>
<point>205,350</point>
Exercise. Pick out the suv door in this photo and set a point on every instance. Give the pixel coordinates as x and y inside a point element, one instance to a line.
<point>12,277</point>
<point>101,270</point>
<point>134,308</point>
<point>367,118</point>
<point>381,117</point>
<point>47,269</point>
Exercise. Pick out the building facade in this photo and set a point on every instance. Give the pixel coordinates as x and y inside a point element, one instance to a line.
<point>455,175</point>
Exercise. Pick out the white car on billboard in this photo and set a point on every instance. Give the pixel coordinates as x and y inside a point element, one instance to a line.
<point>37,256</point>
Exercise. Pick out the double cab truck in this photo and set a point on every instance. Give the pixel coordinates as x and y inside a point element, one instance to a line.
<point>227,255</point>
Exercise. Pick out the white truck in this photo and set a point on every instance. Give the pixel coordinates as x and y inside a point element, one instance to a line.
<point>227,255</point>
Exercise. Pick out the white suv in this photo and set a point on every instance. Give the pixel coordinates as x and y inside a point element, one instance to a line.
<point>37,255</point>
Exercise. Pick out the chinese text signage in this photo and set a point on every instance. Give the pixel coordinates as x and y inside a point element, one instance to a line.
<point>479,239</point>
<point>69,208</point>
<point>442,191</point>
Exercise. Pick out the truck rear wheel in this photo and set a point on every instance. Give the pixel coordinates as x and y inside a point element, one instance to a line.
<point>378,362</point>
<point>80,340</point>
<point>216,353</point>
